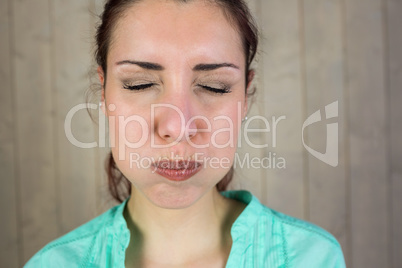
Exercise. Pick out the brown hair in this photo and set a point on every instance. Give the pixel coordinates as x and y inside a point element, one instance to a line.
<point>237,13</point>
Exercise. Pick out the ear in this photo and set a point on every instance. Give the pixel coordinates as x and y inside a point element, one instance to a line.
<point>250,78</point>
<point>102,102</point>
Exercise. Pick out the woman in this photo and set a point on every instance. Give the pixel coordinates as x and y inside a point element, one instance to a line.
<point>175,78</point>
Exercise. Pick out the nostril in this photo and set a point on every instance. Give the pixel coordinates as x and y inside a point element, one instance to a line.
<point>191,134</point>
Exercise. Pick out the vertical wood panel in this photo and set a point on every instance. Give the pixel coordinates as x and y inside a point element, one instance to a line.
<point>101,204</point>
<point>71,62</point>
<point>283,97</point>
<point>104,199</point>
<point>368,133</point>
<point>49,187</point>
<point>95,11</point>
<point>34,112</point>
<point>324,84</point>
<point>8,193</point>
<point>394,11</point>
<point>247,177</point>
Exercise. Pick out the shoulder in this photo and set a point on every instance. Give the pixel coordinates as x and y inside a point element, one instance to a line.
<point>278,240</point>
<point>300,228</point>
<point>304,242</point>
<point>76,247</point>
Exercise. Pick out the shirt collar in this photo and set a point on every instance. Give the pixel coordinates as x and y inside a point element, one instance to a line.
<point>250,215</point>
<point>246,220</point>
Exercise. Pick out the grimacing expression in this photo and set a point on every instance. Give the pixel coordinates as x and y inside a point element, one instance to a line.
<point>177,70</point>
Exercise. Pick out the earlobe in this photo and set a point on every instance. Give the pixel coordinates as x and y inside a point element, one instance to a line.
<point>102,104</point>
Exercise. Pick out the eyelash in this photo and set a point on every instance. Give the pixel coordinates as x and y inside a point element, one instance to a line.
<point>220,91</point>
<point>137,87</point>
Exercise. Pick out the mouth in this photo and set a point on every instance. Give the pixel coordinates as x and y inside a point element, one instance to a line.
<point>177,170</point>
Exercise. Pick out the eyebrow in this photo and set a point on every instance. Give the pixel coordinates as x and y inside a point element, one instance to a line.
<point>158,67</point>
<point>211,67</point>
<point>142,64</point>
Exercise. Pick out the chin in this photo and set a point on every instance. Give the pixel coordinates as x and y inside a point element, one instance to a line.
<point>180,197</point>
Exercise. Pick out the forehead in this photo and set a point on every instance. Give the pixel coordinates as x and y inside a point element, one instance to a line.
<point>195,30</point>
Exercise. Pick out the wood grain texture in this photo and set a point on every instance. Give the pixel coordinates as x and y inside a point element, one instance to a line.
<point>246,177</point>
<point>71,55</point>
<point>368,134</point>
<point>34,118</point>
<point>324,84</point>
<point>104,199</point>
<point>394,76</point>
<point>9,247</point>
<point>282,99</point>
<point>312,52</point>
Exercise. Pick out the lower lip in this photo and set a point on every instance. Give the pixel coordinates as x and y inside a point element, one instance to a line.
<point>177,174</point>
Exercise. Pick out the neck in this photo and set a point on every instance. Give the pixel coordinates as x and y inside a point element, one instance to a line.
<point>176,235</point>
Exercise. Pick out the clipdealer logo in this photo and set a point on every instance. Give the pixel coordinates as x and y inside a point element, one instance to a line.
<point>330,156</point>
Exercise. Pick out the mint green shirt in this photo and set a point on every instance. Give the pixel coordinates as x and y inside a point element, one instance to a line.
<point>261,237</point>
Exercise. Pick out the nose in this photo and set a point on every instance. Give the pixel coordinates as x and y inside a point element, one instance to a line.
<point>173,119</point>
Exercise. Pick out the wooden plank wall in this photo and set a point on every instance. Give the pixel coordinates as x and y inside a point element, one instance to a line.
<point>393,73</point>
<point>33,111</point>
<point>367,98</point>
<point>312,53</point>
<point>9,238</point>
<point>323,62</point>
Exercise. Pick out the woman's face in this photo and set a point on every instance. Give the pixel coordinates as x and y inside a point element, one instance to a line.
<point>175,97</point>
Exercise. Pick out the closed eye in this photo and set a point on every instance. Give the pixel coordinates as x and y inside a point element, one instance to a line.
<point>216,90</point>
<point>138,87</point>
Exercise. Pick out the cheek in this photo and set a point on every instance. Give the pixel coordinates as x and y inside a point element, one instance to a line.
<point>133,129</point>
<point>129,130</point>
<point>225,132</point>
